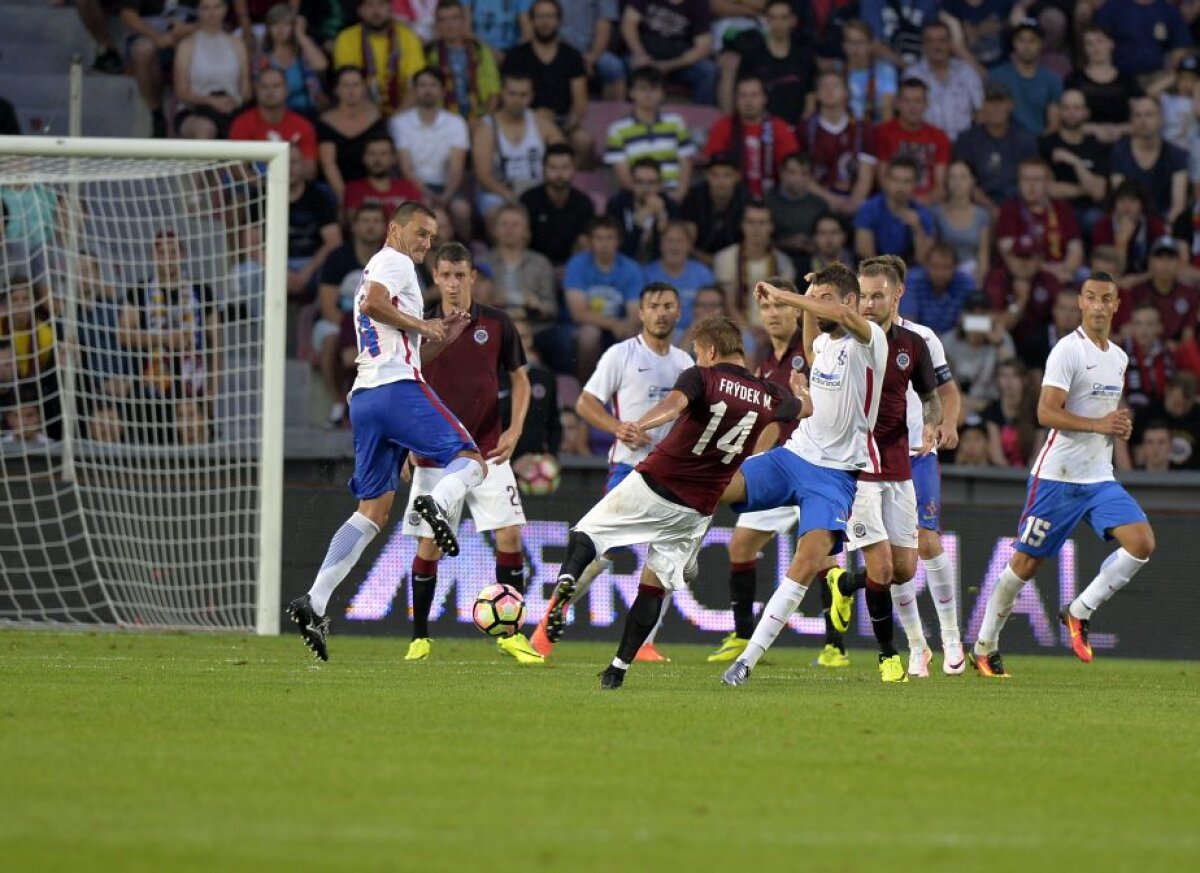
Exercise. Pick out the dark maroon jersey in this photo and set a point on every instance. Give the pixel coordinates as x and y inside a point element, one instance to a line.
<point>727,409</point>
<point>466,375</point>
<point>779,371</point>
<point>908,361</point>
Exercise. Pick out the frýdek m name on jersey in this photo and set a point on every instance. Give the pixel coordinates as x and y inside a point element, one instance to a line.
<point>743,392</point>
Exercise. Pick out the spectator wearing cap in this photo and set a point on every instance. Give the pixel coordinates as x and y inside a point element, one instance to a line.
<point>994,147</point>
<point>1178,304</point>
<point>1047,224</point>
<point>1034,89</point>
<point>1150,35</point>
<point>757,140</point>
<point>1022,290</point>
<point>1107,89</point>
<point>893,222</point>
<point>910,136</point>
<point>934,294</point>
<point>955,89</point>
<point>715,207</point>
<point>1147,158</point>
<point>1130,230</point>
<point>1078,161</point>
<point>674,36</point>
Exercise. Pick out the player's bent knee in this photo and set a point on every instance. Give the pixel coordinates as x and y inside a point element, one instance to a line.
<point>929,544</point>
<point>1140,542</point>
<point>1025,566</point>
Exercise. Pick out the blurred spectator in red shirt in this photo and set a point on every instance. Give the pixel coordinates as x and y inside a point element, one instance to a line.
<point>758,141</point>
<point>1047,226</point>
<point>1177,303</point>
<point>909,134</point>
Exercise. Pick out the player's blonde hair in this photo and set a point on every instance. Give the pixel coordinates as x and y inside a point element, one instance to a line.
<point>894,261</point>
<point>879,267</point>
<point>720,332</point>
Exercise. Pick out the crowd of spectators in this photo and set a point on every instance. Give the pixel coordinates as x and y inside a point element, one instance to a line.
<point>1004,148</point>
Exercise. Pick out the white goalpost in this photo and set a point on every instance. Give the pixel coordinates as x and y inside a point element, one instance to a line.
<point>143,306</point>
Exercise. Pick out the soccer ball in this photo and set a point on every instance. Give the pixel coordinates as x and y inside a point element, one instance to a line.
<point>499,610</point>
<point>538,475</point>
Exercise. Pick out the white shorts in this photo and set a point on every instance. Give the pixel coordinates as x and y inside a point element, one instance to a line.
<point>883,512</point>
<point>494,503</point>
<point>777,521</point>
<point>631,514</point>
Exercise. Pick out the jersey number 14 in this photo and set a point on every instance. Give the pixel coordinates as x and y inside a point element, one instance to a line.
<point>733,440</point>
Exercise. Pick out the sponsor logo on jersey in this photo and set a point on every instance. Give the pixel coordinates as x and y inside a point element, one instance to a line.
<point>817,379</point>
<point>481,335</point>
<point>1099,389</point>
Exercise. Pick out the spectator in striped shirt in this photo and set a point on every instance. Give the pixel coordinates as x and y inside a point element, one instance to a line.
<point>648,132</point>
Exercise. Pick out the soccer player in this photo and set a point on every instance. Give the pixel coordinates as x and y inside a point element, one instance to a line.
<point>883,524</point>
<point>667,502</point>
<point>633,376</point>
<point>1072,478</point>
<point>393,410</point>
<point>927,483</point>
<point>467,378</point>
<point>819,466</point>
<point>755,529</point>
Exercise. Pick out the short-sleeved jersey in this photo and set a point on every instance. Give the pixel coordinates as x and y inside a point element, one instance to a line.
<point>727,410</point>
<point>941,375</point>
<point>385,353</point>
<point>778,370</point>
<point>632,377</point>
<point>909,367</point>
<point>466,375</point>
<point>1093,379</point>
<point>845,380</point>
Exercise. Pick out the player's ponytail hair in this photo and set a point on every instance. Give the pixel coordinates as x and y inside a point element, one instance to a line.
<point>840,277</point>
<point>721,332</point>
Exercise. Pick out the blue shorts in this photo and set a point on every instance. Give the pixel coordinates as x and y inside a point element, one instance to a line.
<point>1053,509</point>
<point>780,477</point>
<point>388,421</point>
<point>616,475</point>
<point>927,482</point>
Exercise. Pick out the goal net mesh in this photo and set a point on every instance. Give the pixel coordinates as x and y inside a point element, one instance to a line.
<point>131,341</point>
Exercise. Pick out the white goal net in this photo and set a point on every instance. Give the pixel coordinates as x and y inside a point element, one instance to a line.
<point>141,389</point>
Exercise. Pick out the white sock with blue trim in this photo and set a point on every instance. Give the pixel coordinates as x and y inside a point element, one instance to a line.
<point>345,549</point>
<point>462,474</point>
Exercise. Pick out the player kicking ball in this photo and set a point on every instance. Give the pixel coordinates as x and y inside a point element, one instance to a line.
<point>467,378</point>
<point>818,468</point>
<point>393,410</point>
<point>667,502</point>
<point>1072,478</point>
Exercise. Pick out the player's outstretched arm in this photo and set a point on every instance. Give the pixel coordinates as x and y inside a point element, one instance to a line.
<point>830,310</point>
<point>666,410</point>
<point>1052,412</point>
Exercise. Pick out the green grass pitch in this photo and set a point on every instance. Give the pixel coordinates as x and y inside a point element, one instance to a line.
<point>144,752</point>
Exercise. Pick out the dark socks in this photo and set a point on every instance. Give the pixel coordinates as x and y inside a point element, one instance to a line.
<point>510,569</point>
<point>853,581</point>
<point>743,580</point>
<point>642,617</point>
<point>580,552</point>
<point>424,582</point>
<point>832,637</point>
<point>879,605</point>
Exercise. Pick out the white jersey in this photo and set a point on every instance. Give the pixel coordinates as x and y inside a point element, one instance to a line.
<point>385,353</point>
<point>937,357</point>
<point>845,380</point>
<point>633,378</point>
<point>1093,379</point>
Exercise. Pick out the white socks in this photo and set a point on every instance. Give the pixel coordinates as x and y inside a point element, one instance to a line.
<point>662,614</point>
<point>343,553</point>
<point>999,607</point>
<point>943,587</point>
<point>904,598</point>
<point>1115,573</point>
<point>775,614</point>
<point>602,564</point>
<point>462,474</point>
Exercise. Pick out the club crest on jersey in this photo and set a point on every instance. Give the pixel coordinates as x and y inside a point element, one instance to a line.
<point>414,519</point>
<point>903,360</point>
<point>841,358</point>
<point>798,363</point>
<point>539,392</point>
<point>481,336</point>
